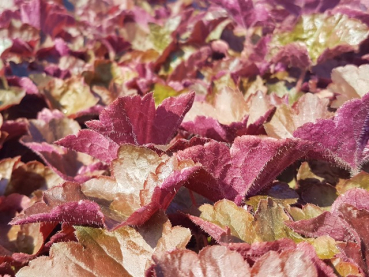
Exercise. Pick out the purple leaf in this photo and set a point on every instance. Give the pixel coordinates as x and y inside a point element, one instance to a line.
<point>169,116</point>
<point>293,55</point>
<point>216,160</point>
<point>306,6</point>
<point>344,137</point>
<point>249,166</point>
<point>126,120</point>
<point>215,231</point>
<point>93,143</point>
<point>324,224</point>
<point>64,203</point>
<point>131,120</point>
<point>208,127</point>
<point>358,198</point>
<point>252,252</point>
<point>245,12</point>
<point>68,164</point>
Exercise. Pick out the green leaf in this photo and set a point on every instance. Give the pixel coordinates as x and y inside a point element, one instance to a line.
<point>321,31</point>
<point>160,36</point>
<point>162,91</point>
<point>269,222</point>
<point>360,180</point>
<point>325,247</point>
<point>226,213</point>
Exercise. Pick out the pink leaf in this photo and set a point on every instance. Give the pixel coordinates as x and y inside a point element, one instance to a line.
<point>345,137</point>
<point>169,116</point>
<point>249,166</point>
<point>215,231</point>
<point>131,120</point>
<point>324,224</point>
<point>93,143</point>
<point>67,163</point>
<point>252,252</point>
<point>64,203</point>
<point>358,198</point>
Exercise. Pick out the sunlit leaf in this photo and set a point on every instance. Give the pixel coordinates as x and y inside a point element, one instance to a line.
<point>317,32</point>
<point>226,214</point>
<point>162,91</point>
<point>124,252</point>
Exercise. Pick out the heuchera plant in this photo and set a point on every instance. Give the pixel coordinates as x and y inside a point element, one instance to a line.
<point>184,138</point>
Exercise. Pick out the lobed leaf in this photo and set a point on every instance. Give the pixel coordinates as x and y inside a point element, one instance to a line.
<point>131,120</point>
<point>347,139</point>
<point>249,166</point>
<point>309,108</point>
<point>143,183</point>
<point>349,82</point>
<point>334,30</point>
<point>124,252</point>
<point>214,260</point>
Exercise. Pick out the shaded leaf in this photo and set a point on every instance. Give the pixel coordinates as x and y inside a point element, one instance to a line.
<point>307,211</point>
<point>68,164</point>
<point>49,127</point>
<point>361,180</point>
<point>269,222</point>
<point>218,233</point>
<point>10,96</point>
<point>325,247</point>
<point>322,195</point>
<point>45,130</point>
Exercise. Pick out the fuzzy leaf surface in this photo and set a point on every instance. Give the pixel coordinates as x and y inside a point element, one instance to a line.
<point>143,183</point>
<point>348,136</point>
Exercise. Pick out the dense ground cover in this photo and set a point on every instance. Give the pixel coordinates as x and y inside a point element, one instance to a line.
<point>184,138</point>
